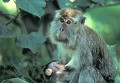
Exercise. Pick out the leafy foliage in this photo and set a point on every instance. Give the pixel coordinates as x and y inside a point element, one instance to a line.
<point>34,7</point>
<point>6,32</point>
<point>31,41</point>
<point>108,27</point>
<point>81,4</point>
<point>14,80</point>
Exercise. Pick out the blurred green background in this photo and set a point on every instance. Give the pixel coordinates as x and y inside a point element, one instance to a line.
<point>24,46</point>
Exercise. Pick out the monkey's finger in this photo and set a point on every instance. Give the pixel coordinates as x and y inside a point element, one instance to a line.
<point>68,68</point>
<point>48,72</point>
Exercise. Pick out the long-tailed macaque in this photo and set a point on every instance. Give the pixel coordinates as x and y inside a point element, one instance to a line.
<point>81,48</point>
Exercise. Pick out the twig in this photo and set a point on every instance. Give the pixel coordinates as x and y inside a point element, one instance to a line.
<point>22,28</point>
<point>12,19</point>
<point>7,14</point>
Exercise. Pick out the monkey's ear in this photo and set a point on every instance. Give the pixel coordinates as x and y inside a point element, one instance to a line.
<point>83,20</point>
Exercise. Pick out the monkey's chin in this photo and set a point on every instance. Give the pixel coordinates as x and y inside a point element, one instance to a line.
<point>59,39</point>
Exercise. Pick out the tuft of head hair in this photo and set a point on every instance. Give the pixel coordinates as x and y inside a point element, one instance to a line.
<point>67,12</point>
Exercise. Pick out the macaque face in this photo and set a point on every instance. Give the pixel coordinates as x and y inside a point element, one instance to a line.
<point>65,25</point>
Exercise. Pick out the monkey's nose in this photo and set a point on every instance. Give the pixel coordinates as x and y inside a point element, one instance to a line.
<point>62,29</point>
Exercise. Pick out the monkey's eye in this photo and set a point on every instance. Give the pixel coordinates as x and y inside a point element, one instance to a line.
<point>68,22</point>
<point>61,20</point>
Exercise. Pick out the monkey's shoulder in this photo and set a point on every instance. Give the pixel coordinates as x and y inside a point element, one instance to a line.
<point>90,31</point>
<point>94,40</point>
<point>92,35</point>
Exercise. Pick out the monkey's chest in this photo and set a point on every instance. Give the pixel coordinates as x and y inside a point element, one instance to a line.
<point>70,57</point>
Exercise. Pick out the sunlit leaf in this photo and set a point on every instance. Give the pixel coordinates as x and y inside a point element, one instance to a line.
<point>72,0</point>
<point>106,23</point>
<point>35,7</point>
<point>31,41</point>
<point>14,80</point>
<point>6,32</point>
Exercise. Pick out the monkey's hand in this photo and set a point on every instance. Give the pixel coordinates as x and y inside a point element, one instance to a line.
<point>69,68</point>
<point>48,72</point>
<point>54,68</point>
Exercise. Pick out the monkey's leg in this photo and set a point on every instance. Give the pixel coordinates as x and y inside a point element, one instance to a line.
<point>89,74</point>
<point>108,70</point>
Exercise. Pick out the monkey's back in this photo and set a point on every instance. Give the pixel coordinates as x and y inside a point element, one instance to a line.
<point>101,55</point>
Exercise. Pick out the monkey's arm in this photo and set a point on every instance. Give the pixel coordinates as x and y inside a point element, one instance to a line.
<point>90,74</point>
<point>59,73</point>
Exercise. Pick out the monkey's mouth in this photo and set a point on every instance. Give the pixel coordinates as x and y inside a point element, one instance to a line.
<point>60,39</point>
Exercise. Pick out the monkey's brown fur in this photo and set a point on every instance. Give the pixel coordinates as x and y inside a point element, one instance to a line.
<point>82,45</point>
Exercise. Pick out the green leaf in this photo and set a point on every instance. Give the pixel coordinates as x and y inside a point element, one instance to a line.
<point>31,41</point>
<point>100,1</point>
<point>75,4</point>
<point>6,1</point>
<point>106,23</point>
<point>6,32</point>
<point>34,7</point>
<point>14,80</point>
<point>64,3</point>
<point>83,3</point>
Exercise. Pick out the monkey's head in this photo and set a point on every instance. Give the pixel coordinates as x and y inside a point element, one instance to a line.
<point>65,26</point>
